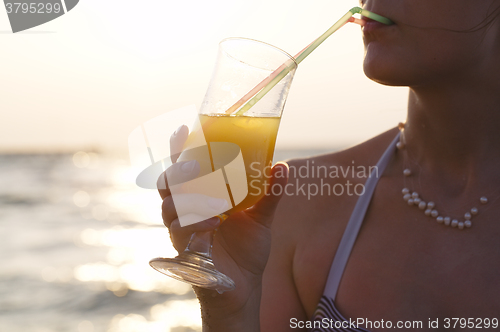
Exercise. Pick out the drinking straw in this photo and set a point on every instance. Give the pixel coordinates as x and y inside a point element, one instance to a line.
<point>261,89</point>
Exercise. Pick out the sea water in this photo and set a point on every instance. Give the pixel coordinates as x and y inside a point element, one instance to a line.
<point>76,237</point>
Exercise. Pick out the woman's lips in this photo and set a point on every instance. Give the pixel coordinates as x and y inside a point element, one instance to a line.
<point>372,26</point>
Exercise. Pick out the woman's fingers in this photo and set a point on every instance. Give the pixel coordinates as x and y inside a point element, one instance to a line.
<point>168,212</point>
<point>177,173</point>
<point>181,235</point>
<point>186,209</point>
<point>177,141</point>
<point>191,208</point>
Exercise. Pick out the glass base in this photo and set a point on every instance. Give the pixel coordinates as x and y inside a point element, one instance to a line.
<point>194,269</point>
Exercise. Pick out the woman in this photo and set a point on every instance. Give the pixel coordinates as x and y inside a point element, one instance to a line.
<point>406,264</point>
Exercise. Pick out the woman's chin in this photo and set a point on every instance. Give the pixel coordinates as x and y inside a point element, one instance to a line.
<point>385,73</point>
<point>380,67</point>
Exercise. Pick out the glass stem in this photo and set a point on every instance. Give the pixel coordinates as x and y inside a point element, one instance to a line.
<point>201,243</point>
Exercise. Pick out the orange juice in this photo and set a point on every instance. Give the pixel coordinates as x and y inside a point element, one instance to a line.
<point>255,136</point>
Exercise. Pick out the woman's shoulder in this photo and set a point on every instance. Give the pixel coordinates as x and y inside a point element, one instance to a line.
<point>325,187</point>
<point>311,217</point>
<point>364,154</point>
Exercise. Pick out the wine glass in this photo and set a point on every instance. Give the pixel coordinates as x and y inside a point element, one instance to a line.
<point>239,147</point>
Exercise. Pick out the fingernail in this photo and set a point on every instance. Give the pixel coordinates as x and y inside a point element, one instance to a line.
<point>218,204</point>
<point>178,130</point>
<point>213,221</point>
<point>189,166</point>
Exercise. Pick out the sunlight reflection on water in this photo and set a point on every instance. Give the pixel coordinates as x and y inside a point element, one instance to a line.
<point>80,234</point>
<point>128,254</point>
<point>129,250</point>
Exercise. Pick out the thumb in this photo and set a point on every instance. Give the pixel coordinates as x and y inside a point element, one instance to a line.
<point>263,210</point>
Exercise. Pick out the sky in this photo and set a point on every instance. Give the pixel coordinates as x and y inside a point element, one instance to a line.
<point>85,80</point>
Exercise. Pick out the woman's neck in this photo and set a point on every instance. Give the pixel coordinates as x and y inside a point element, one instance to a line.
<point>455,131</point>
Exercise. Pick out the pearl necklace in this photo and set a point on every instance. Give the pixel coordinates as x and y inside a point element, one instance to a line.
<point>429,208</point>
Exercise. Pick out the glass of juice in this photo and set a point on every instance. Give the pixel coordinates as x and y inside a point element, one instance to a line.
<point>234,149</point>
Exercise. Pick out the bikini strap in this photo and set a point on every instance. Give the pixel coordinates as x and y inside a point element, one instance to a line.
<point>354,224</point>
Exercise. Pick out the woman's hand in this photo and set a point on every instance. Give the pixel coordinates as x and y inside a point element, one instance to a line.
<point>240,249</point>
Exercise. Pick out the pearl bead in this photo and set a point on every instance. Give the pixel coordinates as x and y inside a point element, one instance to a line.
<point>454,223</point>
<point>406,197</point>
<point>483,200</point>
<point>431,205</point>
<point>447,221</point>
<point>461,225</point>
<point>400,145</point>
<point>467,216</point>
<point>440,219</point>
<point>410,201</point>
<point>407,172</point>
<point>474,211</point>
<point>414,194</point>
<point>421,205</point>
<point>428,212</point>
<point>468,223</point>
<point>405,191</point>
<point>417,201</point>
<point>434,213</point>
